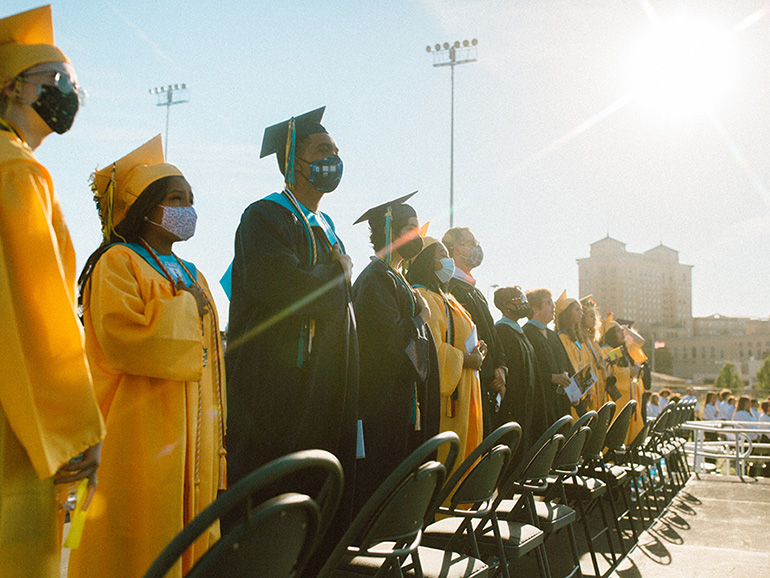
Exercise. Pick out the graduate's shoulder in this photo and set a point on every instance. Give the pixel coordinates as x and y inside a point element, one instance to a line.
<point>266,209</point>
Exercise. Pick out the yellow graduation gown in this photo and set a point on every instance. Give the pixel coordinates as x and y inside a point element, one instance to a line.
<point>146,350</point>
<point>467,421</point>
<point>579,357</point>
<point>48,413</point>
<point>630,388</point>
<point>599,397</point>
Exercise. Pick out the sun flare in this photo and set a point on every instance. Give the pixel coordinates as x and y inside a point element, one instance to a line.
<point>682,67</point>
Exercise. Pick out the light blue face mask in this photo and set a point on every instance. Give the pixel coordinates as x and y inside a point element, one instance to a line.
<point>447,270</point>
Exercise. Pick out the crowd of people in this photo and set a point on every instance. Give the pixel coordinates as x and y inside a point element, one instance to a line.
<point>126,370</point>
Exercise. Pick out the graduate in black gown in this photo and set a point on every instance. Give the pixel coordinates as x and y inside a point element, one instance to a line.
<point>524,402</point>
<point>467,254</point>
<point>553,364</point>
<point>399,393</point>
<point>292,355</point>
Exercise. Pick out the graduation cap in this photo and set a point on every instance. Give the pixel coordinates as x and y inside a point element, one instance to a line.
<point>26,39</point>
<point>280,139</point>
<point>383,217</point>
<point>120,183</point>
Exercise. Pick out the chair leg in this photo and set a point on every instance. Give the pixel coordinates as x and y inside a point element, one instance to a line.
<point>576,571</point>
<point>589,539</point>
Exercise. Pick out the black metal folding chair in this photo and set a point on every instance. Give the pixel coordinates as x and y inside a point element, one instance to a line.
<point>384,538</point>
<point>275,537</point>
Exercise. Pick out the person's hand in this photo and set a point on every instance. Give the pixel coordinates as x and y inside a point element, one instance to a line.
<point>482,347</point>
<point>344,260</point>
<point>474,359</point>
<point>498,383</point>
<point>200,297</point>
<point>85,465</point>
<point>422,307</point>
<point>560,379</point>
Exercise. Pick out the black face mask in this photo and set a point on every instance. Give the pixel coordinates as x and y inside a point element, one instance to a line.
<point>56,108</point>
<point>411,248</point>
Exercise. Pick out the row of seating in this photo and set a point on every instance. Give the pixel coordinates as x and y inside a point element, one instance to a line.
<point>479,522</point>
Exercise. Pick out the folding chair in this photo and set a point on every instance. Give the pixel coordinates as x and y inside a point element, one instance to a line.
<point>470,493</point>
<point>384,538</point>
<point>276,537</point>
<point>585,491</point>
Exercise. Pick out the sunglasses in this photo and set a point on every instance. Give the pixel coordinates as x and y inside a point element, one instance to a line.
<point>61,80</point>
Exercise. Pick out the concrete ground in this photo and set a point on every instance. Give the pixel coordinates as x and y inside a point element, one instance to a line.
<point>717,527</point>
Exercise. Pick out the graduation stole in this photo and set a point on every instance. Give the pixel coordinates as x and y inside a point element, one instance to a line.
<point>307,332</point>
<point>158,264</point>
<point>451,406</point>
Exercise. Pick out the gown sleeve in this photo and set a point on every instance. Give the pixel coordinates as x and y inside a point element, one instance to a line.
<point>155,335</point>
<point>45,392</point>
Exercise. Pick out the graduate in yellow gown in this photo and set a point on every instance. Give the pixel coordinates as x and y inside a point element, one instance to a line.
<point>568,316</point>
<point>48,413</point>
<point>589,330</point>
<point>625,372</point>
<point>153,343</point>
<point>460,354</point>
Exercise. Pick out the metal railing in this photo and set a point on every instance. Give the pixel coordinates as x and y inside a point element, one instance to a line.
<point>734,443</point>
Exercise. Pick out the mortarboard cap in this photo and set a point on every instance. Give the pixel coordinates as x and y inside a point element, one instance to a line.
<point>399,210</point>
<point>119,184</point>
<point>274,140</point>
<point>563,302</point>
<point>26,39</point>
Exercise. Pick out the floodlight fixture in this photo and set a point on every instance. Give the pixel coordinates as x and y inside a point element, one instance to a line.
<point>170,91</point>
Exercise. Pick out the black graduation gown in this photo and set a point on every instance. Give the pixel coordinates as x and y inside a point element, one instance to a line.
<point>276,407</point>
<point>524,402</point>
<point>477,307</point>
<point>386,327</point>
<point>551,358</point>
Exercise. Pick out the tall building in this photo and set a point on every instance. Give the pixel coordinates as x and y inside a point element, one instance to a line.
<point>652,288</point>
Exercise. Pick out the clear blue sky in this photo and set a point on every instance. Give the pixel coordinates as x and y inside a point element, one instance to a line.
<point>535,187</point>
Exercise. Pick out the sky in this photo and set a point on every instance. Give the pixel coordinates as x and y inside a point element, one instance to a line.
<point>565,129</point>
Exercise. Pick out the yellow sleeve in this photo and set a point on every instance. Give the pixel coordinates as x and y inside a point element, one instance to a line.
<point>450,359</point>
<point>141,330</point>
<point>45,388</point>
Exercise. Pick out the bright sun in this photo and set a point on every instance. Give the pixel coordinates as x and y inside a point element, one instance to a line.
<point>682,67</point>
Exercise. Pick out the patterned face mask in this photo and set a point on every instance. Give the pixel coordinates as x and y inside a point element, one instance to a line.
<point>179,221</point>
<point>325,174</point>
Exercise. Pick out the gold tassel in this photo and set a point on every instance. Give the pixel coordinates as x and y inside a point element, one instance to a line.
<point>223,469</point>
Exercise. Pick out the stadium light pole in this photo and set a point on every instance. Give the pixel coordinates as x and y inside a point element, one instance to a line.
<point>166,98</point>
<point>447,55</point>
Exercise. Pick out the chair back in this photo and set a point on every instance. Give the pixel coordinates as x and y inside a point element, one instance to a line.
<point>615,439</point>
<point>277,534</point>
<point>477,478</point>
<point>560,427</point>
<point>534,475</point>
<point>569,456</point>
<point>584,420</point>
<point>392,519</point>
<point>593,447</point>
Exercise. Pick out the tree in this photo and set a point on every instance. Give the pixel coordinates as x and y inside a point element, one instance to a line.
<point>763,378</point>
<point>728,378</point>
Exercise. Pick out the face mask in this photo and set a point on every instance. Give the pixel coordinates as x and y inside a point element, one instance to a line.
<point>447,270</point>
<point>325,175</point>
<point>57,104</point>
<point>411,248</point>
<point>179,221</point>
<point>476,256</point>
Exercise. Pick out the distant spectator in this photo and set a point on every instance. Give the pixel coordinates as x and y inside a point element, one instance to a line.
<point>743,413</point>
<point>755,411</point>
<point>728,408</point>
<point>690,396</point>
<point>653,407</point>
<point>664,395</point>
<point>722,403</point>
<point>765,417</point>
<point>675,398</point>
<point>710,410</point>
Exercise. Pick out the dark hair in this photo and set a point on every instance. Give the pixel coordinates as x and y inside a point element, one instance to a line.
<point>377,232</point>
<point>711,397</point>
<point>422,271</point>
<point>744,403</point>
<point>503,297</point>
<point>129,230</point>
